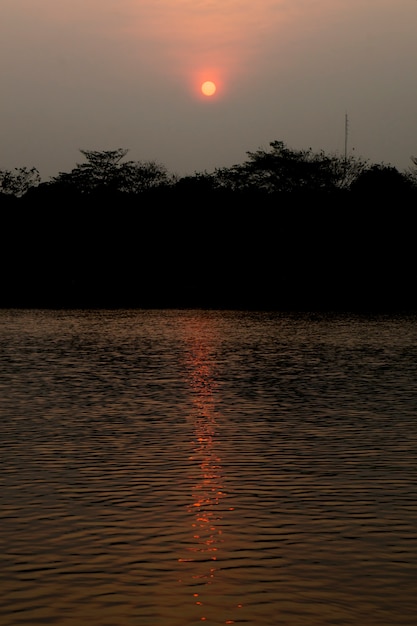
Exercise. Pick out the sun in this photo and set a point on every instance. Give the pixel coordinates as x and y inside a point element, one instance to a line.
<point>208,88</point>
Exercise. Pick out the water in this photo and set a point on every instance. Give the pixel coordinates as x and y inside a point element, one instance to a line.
<point>179,468</point>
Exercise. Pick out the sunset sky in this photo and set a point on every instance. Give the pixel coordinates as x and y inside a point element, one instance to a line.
<point>108,74</point>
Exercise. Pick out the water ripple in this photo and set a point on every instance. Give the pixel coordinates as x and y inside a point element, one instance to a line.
<point>174,468</point>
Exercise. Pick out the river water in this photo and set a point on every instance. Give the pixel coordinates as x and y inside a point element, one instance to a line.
<point>188,467</point>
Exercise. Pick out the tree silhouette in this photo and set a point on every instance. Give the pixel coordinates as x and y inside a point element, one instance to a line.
<point>282,169</point>
<point>18,181</point>
<point>380,180</point>
<point>265,173</point>
<point>104,171</point>
<point>140,176</point>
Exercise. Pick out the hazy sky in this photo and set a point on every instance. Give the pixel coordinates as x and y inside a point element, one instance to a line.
<point>108,74</point>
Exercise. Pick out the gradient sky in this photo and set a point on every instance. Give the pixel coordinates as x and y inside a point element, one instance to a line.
<point>108,74</point>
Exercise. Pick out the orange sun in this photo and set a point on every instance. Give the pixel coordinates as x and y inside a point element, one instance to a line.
<point>208,88</point>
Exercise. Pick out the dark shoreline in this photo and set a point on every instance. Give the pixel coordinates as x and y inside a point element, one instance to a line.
<point>334,256</point>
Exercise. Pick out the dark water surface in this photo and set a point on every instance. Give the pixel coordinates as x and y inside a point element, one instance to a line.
<point>176,468</point>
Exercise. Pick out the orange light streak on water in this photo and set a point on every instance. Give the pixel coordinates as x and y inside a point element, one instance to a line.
<point>208,492</point>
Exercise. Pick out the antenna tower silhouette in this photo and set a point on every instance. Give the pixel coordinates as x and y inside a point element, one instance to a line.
<point>346,136</point>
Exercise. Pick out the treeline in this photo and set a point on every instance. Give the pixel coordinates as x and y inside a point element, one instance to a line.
<point>277,170</point>
<point>284,230</point>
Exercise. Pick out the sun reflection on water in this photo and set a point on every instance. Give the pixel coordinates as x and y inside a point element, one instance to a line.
<point>206,506</point>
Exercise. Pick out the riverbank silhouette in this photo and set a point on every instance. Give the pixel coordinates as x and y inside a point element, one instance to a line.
<point>245,238</point>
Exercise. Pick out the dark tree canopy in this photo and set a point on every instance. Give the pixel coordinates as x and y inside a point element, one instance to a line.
<point>266,173</point>
<point>19,181</point>
<point>287,228</point>
<point>282,169</point>
<point>381,180</point>
<point>104,170</point>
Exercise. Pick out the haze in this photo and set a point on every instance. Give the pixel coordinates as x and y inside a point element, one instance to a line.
<point>108,74</point>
